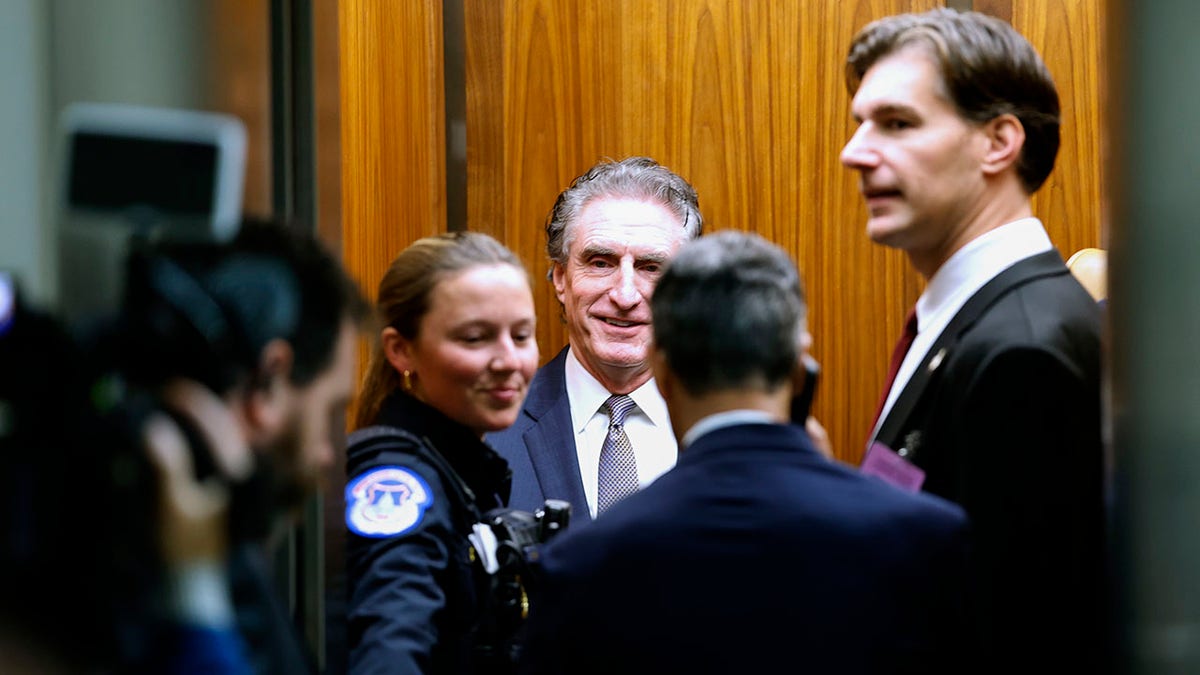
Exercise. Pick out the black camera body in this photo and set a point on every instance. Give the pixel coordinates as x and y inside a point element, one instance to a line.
<point>518,535</point>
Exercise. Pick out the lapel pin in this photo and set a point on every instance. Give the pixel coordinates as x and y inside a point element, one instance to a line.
<point>936,360</point>
<point>912,441</point>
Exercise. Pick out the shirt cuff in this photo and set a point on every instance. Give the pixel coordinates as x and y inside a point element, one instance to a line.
<point>198,594</point>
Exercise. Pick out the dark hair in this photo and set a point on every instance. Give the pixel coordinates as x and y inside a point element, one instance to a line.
<point>206,310</point>
<point>328,296</point>
<point>403,299</point>
<point>633,177</point>
<point>710,347</point>
<point>988,69</point>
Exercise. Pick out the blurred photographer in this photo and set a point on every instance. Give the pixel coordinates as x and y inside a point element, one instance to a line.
<point>274,321</point>
<point>191,429</point>
<point>453,362</point>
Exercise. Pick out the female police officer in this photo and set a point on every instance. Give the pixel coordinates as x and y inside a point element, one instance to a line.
<point>453,362</point>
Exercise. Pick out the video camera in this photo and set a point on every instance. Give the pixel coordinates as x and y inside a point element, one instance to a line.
<point>131,175</point>
<point>150,198</point>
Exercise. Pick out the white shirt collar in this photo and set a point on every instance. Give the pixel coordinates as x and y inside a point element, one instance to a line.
<point>968,270</point>
<point>587,395</point>
<point>977,263</point>
<point>721,420</point>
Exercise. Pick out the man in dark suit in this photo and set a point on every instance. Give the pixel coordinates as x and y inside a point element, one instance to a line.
<point>608,236</point>
<point>996,404</point>
<point>755,551</point>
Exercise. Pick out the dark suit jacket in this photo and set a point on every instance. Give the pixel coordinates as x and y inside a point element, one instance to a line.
<point>540,445</point>
<point>754,555</point>
<point>1003,415</point>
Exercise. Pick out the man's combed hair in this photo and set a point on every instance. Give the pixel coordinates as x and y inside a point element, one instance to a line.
<point>328,296</point>
<point>988,69</point>
<point>632,178</point>
<point>728,313</point>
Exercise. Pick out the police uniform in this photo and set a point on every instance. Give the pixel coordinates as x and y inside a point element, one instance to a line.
<point>419,597</point>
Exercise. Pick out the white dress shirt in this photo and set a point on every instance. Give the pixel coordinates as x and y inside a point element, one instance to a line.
<point>648,427</point>
<point>727,418</point>
<point>968,270</point>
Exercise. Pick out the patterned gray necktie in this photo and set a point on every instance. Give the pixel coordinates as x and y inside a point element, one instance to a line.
<point>617,477</point>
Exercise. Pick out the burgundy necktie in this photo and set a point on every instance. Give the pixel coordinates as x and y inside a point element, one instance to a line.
<point>902,345</point>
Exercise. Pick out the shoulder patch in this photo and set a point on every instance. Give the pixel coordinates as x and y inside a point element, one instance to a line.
<point>386,501</point>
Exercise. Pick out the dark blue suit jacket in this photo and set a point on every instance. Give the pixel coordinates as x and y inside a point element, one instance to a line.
<point>540,445</point>
<point>753,555</point>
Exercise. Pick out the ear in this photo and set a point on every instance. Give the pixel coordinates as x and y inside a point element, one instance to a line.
<point>268,397</point>
<point>397,350</point>
<point>558,274</point>
<point>1005,138</point>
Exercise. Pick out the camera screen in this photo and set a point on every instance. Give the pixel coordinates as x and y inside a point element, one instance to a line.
<point>114,172</point>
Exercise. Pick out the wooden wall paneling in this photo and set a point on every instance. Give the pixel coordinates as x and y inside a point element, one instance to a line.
<point>707,134</point>
<point>541,109</point>
<point>392,133</point>
<point>744,99</point>
<point>747,101</point>
<point>1069,34</point>
<point>327,116</point>
<point>486,176</point>
<point>858,292</point>
<point>760,115</point>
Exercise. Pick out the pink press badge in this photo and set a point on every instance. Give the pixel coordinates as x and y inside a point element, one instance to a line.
<point>883,463</point>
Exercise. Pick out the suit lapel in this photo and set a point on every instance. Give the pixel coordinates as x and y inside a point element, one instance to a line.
<point>550,440</point>
<point>1023,271</point>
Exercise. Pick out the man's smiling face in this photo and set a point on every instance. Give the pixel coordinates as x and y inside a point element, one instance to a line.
<point>617,250</point>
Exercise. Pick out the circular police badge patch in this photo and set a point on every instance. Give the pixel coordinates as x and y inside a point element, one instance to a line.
<point>386,501</point>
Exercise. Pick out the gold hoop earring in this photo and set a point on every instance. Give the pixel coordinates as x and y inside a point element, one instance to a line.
<point>406,380</point>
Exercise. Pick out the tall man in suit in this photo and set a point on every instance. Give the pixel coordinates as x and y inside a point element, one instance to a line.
<point>608,237</point>
<point>755,551</point>
<point>996,404</point>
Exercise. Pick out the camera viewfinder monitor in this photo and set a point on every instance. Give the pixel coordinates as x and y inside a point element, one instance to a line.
<point>140,171</point>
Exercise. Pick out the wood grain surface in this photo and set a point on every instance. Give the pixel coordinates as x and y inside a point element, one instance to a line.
<point>745,99</point>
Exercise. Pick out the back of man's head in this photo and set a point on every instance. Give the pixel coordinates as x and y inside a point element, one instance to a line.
<point>988,69</point>
<point>729,313</point>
